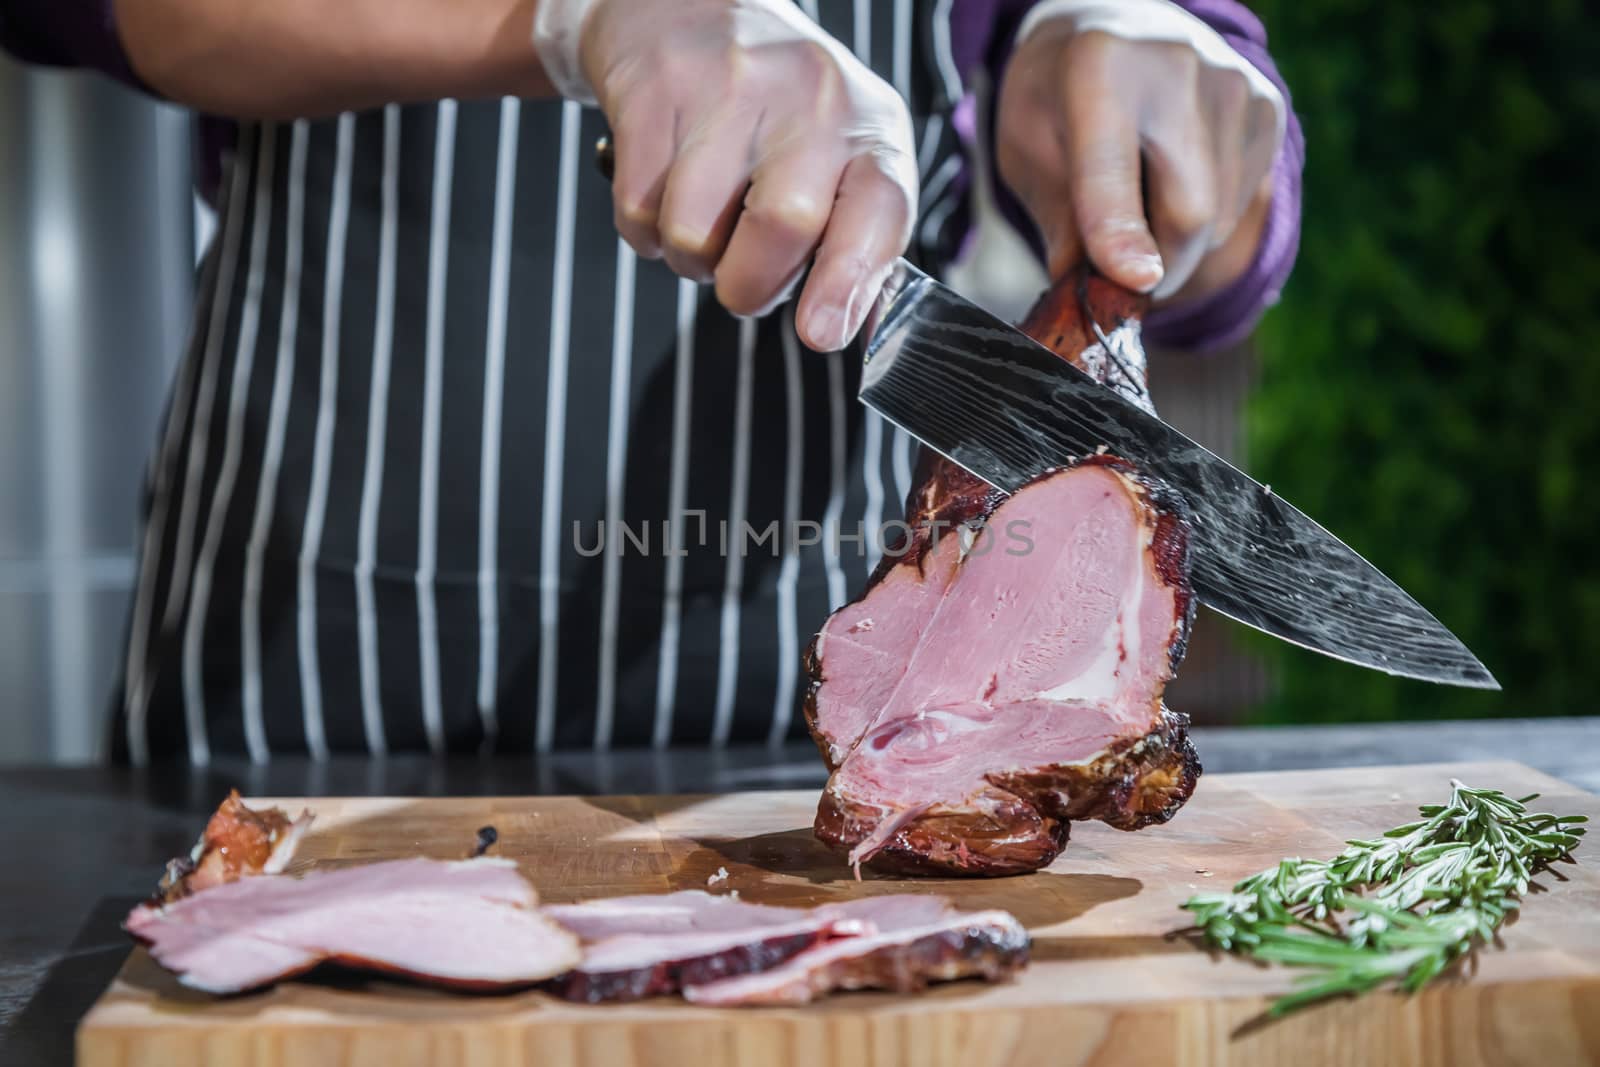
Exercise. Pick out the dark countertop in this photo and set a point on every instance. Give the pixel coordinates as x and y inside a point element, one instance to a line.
<point>84,844</point>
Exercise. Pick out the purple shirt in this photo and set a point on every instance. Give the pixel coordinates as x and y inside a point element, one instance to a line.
<point>83,33</point>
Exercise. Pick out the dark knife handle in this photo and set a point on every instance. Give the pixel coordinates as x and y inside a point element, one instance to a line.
<point>1078,307</point>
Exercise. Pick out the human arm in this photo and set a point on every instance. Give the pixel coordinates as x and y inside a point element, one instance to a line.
<point>288,58</point>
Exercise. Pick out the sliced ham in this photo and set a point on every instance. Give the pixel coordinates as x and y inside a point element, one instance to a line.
<point>641,946</point>
<point>913,941</point>
<point>475,924</point>
<point>712,948</point>
<point>468,924</point>
<point>986,690</point>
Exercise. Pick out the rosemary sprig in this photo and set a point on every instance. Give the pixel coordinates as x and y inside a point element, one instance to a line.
<point>1399,908</point>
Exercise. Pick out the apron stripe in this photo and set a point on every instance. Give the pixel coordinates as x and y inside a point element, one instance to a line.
<point>255,730</point>
<point>556,426</point>
<point>616,474</point>
<point>937,186</point>
<point>672,592</point>
<point>377,434</point>
<point>902,465</point>
<point>901,72</point>
<point>872,422</point>
<point>738,512</point>
<point>244,362</point>
<point>942,53</point>
<point>932,132</point>
<point>493,393</point>
<point>322,455</point>
<point>192,377</point>
<point>901,449</point>
<point>433,374</point>
<point>837,416</point>
<point>789,571</point>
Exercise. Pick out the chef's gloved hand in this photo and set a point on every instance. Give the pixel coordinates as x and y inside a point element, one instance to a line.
<point>1095,84</point>
<point>746,140</point>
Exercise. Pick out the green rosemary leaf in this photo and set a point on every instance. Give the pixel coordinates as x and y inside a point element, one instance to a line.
<point>1413,900</point>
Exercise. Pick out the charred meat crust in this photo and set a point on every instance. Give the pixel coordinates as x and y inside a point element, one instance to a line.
<point>1021,822</point>
<point>975,951</point>
<point>669,976</point>
<point>1135,783</point>
<point>237,841</point>
<point>995,832</point>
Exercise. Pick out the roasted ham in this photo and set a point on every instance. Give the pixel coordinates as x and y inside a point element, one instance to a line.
<point>1003,673</point>
<point>237,841</point>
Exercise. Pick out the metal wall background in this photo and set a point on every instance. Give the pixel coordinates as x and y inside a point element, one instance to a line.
<point>96,273</point>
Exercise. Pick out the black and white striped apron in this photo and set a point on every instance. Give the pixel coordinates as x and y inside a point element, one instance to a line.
<point>424,376</point>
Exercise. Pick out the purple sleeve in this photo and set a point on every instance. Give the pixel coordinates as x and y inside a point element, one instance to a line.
<point>66,33</point>
<point>983,32</point>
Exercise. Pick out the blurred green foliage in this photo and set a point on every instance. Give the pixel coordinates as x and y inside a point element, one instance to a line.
<point>1430,385</point>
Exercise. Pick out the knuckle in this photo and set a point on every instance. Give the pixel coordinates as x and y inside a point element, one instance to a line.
<point>1090,47</point>
<point>633,206</point>
<point>793,213</point>
<point>1232,91</point>
<point>1182,58</point>
<point>1189,212</point>
<point>813,62</point>
<point>1112,229</point>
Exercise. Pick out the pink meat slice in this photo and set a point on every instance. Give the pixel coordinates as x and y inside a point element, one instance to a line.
<point>470,924</point>
<point>956,698</point>
<point>640,946</point>
<point>912,941</point>
<point>689,911</point>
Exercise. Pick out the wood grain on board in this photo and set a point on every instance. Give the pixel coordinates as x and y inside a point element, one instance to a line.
<point>1109,982</point>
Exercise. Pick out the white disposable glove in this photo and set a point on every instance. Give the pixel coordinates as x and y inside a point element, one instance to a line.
<point>1095,83</point>
<point>746,140</point>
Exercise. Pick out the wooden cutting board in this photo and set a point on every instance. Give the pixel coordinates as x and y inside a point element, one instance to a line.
<point>1108,985</point>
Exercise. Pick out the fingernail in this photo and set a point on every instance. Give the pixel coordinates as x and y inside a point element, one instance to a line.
<point>825,327</point>
<point>1144,271</point>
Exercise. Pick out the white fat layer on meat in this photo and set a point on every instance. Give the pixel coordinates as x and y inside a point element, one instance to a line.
<point>953,724</point>
<point>1100,681</point>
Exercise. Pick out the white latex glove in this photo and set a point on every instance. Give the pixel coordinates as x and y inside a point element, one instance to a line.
<point>1092,85</point>
<point>746,139</point>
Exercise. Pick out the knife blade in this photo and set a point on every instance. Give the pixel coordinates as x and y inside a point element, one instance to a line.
<point>991,399</point>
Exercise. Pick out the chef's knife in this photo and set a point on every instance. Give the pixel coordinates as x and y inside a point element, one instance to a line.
<point>996,402</point>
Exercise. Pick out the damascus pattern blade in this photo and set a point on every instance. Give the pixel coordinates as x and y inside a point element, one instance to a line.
<point>982,393</point>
